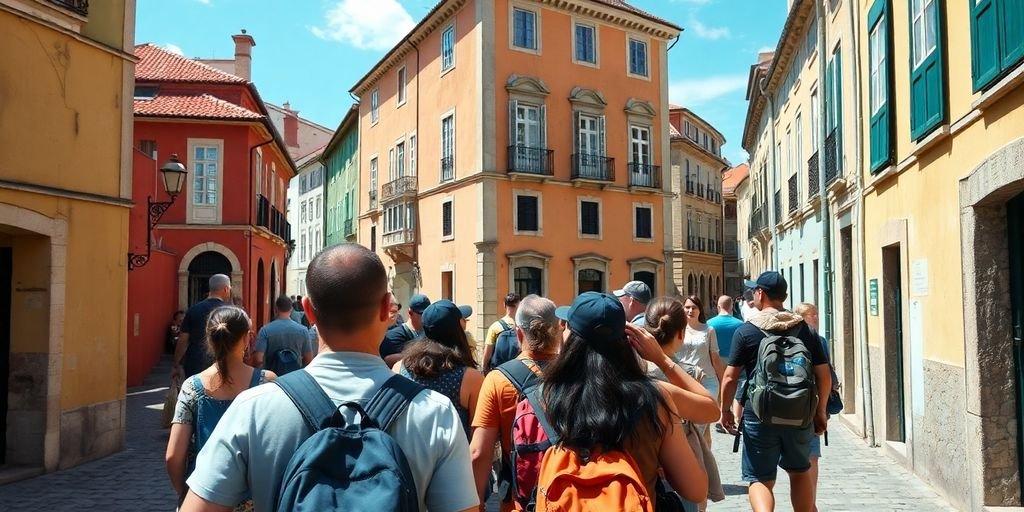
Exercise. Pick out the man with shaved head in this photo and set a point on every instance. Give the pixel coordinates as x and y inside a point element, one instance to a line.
<point>348,301</point>
<point>190,354</point>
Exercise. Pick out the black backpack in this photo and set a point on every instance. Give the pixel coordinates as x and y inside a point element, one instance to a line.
<point>348,466</point>
<point>506,346</point>
<point>781,389</point>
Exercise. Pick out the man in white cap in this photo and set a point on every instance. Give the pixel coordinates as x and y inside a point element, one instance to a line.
<point>634,298</point>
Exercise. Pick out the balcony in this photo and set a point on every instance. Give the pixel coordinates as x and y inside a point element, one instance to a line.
<point>406,185</point>
<point>794,193</point>
<point>447,169</point>
<point>406,236</point>
<point>75,6</point>
<point>644,175</point>
<point>778,206</point>
<point>690,188</point>
<point>349,229</point>
<point>272,219</point>
<point>592,167</point>
<point>813,175</point>
<point>831,158</point>
<point>533,161</point>
<point>756,222</point>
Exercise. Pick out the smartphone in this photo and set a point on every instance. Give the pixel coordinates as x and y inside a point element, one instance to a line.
<point>736,442</point>
<point>826,438</point>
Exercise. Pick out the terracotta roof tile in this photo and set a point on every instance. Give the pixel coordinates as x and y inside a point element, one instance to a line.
<point>622,5</point>
<point>197,106</point>
<point>733,177</point>
<point>159,65</point>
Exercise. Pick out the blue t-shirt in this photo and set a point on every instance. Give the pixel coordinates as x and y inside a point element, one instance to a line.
<point>197,358</point>
<point>282,334</point>
<point>725,327</point>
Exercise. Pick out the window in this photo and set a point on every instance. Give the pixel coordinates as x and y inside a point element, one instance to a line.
<point>148,147</point>
<point>705,141</point>
<point>878,86</point>
<point>527,281</point>
<point>448,148</point>
<point>375,106</point>
<point>586,43</point>
<point>637,58</point>
<point>447,229</point>
<point>590,280</point>
<point>590,218</point>
<point>303,209</point>
<point>527,213</point>
<point>640,146</point>
<point>642,222</point>
<point>803,280</point>
<point>798,151</point>
<point>524,29</point>
<point>401,86</point>
<point>395,217</point>
<point>205,171</point>
<point>412,155</point>
<point>302,246</point>
<point>399,160</point>
<point>373,182</point>
<point>815,106</point>
<point>448,48</point>
<point>927,102</point>
<point>448,285</point>
<point>373,237</point>
<point>318,204</point>
<point>834,108</point>
<point>997,40</point>
<point>646,277</point>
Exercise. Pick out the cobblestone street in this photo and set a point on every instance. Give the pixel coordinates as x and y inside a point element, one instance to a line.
<point>853,477</point>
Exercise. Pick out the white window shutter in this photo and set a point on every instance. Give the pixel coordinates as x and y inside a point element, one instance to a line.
<point>543,126</point>
<point>601,135</point>
<point>513,106</point>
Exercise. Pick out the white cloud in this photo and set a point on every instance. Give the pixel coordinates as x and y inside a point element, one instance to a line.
<point>705,32</point>
<point>697,91</point>
<point>173,48</point>
<point>204,2</point>
<point>366,25</point>
<point>765,49</point>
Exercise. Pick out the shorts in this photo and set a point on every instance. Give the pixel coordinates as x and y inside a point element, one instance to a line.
<point>767,448</point>
<point>815,446</point>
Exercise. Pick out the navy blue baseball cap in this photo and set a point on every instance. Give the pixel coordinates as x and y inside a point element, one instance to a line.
<point>418,303</point>
<point>442,321</point>
<point>467,311</point>
<point>771,282</point>
<point>596,317</point>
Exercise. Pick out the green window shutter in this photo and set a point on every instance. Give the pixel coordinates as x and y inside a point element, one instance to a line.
<point>881,121</point>
<point>1011,32</point>
<point>829,123</point>
<point>838,80</point>
<point>984,42</point>
<point>927,93</point>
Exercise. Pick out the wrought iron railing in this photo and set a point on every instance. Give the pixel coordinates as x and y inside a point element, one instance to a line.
<point>76,6</point>
<point>398,187</point>
<point>529,160</point>
<point>401,237</point>
<point>690,188</point>
<point>349,231</point>
<point>644,175</point>
<point>794,193</point>
<point>778,206</point>
<point>274,220</point>
<point>757,221</point>
<point>813,175</point>
<point>593,167</point>
<point>831,158</point>
<point>447,168</point>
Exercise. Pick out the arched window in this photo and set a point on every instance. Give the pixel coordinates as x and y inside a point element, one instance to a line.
<point>703,289</point>
<point>691,286</point>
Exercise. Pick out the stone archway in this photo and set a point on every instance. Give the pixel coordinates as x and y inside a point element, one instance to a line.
<point>236,270</point>
<point>35,440</point>
<point>991,415</point>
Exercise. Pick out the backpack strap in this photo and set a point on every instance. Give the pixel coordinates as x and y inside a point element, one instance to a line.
<point>317,409</point>
<point>542,417</point>
<point>520,375</point>
<point>504,325</point>
<point>391,400</point>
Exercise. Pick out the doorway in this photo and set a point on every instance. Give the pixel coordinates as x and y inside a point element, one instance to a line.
<point>200,270</point>
<point>6,267</point>
<point>1015,230</point>
<point>895,396</point>
<point>849,345</point>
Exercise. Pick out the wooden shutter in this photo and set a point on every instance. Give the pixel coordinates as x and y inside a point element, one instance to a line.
<point>1011,14</point>
<point>927,91</point>
<point>881,121</point>
<point>513,106</point>
<point>984,42</point>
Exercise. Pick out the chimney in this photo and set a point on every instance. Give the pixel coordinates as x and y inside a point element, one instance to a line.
<point>291,126</point>
<point>243,54</point>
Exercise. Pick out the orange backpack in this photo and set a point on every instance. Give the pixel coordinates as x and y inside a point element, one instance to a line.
<point>576,481</point>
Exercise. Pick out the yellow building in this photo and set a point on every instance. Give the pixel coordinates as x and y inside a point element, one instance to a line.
<point>66,76</point>
<point>942,168</point>
<point>696,206</point>
<point>518,145</point>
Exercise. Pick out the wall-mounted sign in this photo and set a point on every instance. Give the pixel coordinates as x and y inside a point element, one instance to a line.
<point>873,297</point>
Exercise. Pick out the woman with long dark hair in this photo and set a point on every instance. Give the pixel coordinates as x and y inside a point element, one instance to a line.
<point>700,346</point>
<point>205,397</point>
<point>443,360</point>
<point>597,396</point>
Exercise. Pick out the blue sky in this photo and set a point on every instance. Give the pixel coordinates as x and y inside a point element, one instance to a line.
<point>310,52</point>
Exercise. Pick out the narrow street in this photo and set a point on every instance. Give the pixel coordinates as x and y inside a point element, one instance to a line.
<point>853,477</point>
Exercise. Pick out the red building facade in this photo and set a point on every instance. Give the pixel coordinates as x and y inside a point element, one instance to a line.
<point>230,215</point>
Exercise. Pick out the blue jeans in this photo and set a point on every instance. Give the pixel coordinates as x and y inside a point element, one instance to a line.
<point>767,448</point>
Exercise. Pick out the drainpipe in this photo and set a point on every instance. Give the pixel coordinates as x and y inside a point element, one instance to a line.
<point>826,224</point>
<point>868,416</point>
<point>761,84</point>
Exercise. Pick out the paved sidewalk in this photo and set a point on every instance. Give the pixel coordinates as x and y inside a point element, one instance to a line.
<point>852,478</point>
<point>134,479</point>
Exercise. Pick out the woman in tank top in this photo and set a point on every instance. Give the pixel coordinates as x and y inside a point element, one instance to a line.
<point>443,360</point>
<point>700,346</point>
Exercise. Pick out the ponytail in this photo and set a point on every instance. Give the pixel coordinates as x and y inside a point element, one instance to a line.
<point>226,328</point>
<point>665,319</point>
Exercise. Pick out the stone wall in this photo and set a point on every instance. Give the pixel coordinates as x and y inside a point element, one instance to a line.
<point>26,410</point>
<point>91,432</point>
<point>940,450</point>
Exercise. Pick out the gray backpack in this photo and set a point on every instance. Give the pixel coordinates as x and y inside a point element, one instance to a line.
<point>782,390</point>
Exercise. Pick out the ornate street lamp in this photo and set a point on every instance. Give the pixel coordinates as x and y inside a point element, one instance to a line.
<point>173,175</point>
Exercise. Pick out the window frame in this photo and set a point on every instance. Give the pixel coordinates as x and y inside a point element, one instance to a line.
<point>880,90</point>
<point>636,234</point>
<point>630,39</point>
<point>536,12</point>
<point>516,193</point>
<point>927,82</point>
<point>402,76</point>
<point>595,30</point>
<point>450,28</point>
<point>375,106</point>
<point>579,218</point>
<point>450,115</point>
<point>448,202</point>
<point>205,212</point>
